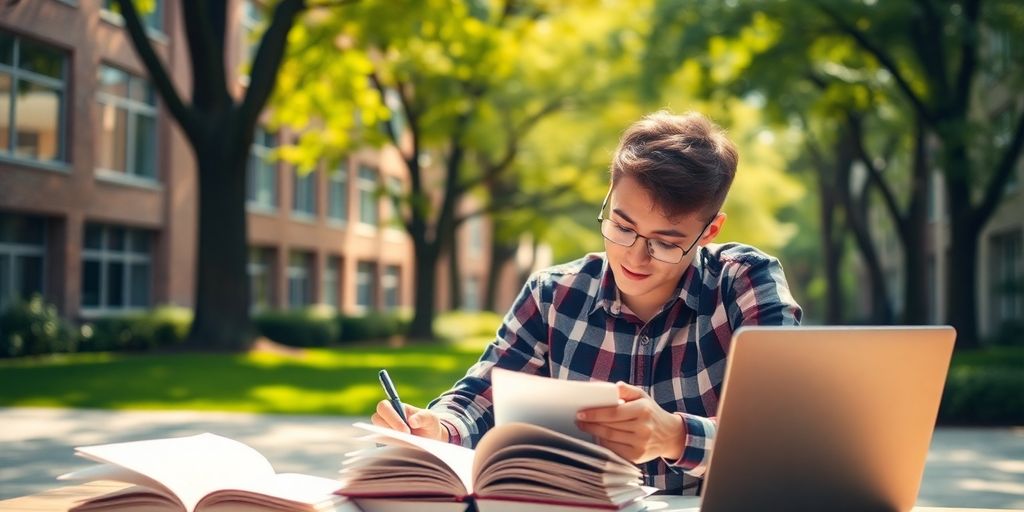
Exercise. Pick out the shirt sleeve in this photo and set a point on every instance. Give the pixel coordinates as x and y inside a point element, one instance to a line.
<point>699,433</point>
<point>758,295</point>
<point>466,410</point>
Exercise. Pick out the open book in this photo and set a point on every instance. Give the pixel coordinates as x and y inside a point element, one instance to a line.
<point>205,472</point>
<point>513,465</point>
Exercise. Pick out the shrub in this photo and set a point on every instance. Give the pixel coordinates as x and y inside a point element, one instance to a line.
<point>34,327</point>
<point>162,327</point>
<point>1010,333</point>
<point>459,325</point>
<point>983,395</point>
<point>373,326</point>
<point>314,326</point>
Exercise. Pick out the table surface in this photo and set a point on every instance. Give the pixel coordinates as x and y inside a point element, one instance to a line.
<point>62,498</point>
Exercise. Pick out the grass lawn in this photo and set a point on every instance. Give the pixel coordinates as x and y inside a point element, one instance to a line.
<point>317,381</point>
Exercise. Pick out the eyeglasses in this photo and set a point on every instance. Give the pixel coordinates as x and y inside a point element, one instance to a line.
<point>658,249</point>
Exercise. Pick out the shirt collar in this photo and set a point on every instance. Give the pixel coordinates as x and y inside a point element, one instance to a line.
<point>688,289</point>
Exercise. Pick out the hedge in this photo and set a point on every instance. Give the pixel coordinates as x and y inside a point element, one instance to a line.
<point>34,327</point>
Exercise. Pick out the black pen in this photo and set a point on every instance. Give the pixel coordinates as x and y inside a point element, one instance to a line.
<point>389,388</point>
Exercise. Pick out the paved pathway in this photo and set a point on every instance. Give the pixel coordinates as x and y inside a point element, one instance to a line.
<point>966,467</point>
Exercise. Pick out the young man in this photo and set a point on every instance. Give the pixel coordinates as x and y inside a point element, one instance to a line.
<point>655,313</point>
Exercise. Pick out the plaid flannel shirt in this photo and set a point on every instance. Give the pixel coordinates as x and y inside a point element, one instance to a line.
<point>569,322</point>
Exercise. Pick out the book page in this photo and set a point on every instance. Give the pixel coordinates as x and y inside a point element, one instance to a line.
<point>547,402</point>
<point>458,458</point>
<point>285,491</point>
<point>189,467</point>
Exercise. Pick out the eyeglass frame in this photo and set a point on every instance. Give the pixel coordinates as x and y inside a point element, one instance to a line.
<point>650,252</point>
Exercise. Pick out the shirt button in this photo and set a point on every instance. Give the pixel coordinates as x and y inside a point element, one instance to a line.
<point>645,339</point>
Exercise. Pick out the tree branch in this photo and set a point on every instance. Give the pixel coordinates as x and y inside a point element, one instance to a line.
<point>157,72</point>
<point>927,38</point>
<point>206,54</point>
<point>268,60</point>
<point>968,57</point>
<point>375,80</point>
<point>883,58</point>
<point>492,170</point>
<point>1007,164</point>
<point>524,201</point>
<point>875,174</point>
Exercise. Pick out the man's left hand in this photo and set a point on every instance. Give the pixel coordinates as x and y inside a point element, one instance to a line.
<point>638,428</point>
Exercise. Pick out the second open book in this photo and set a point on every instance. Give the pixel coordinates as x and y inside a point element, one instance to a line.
<point>513,464</point>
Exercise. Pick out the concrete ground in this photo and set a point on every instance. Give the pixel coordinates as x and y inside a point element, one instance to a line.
<point>967,467</point>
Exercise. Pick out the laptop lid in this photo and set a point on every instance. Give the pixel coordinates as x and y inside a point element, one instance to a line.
<point>826,418</point>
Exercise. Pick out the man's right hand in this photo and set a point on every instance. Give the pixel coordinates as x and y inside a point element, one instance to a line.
<point>424,423</point>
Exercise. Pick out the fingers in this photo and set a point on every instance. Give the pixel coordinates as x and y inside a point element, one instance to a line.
<point>622,432</point>
<point>622,412</point>
<point>418,418</point>
<point>629,392</point>
<point>386,416</point>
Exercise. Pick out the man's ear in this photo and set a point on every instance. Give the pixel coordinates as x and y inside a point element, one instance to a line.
<point>713,229</point>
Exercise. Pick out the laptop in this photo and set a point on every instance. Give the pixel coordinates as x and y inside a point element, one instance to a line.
<point>825,418</point>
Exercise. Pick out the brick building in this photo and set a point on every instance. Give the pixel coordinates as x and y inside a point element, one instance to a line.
<point>98,185</point>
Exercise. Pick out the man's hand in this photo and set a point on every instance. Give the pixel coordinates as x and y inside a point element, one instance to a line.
<point>423,422</point>
<point>638,428</point>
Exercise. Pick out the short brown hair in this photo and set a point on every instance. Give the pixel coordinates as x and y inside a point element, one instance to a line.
<point>684,161</point>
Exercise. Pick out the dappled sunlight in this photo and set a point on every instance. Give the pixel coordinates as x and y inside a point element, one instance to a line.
<point>975,467</point>
<point>349,400</point>
<point>337,359</point>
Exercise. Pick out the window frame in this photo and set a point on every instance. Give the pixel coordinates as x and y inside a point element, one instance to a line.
<point>134,108</point>
<point>259,154</point>
<point>127,258</point>
<point>15,250</point>
<point>62,162</point>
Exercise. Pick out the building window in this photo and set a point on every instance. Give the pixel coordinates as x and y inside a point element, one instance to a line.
<point>471,293</point>
<point>261,182</point>
<point>22,257</point>
<point>252,19</point>
<point>331,285</point>
<point>394,218</point>
<point>152,13</point>
<point>337,194</point>
<point>367,185</point>
<point>366,286</point>
<point>115,268</point>
<point>32,100</point>
<point>300,293</point>
<point>475,232</point>
<point>304,194</point>
<point>1006,277</point>
<point>127,124</point>
<point>392,287</point>
<point>261,278</point>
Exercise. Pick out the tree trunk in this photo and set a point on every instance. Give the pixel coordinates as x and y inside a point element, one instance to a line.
<point>831,250</point>
<point>222,285</point>
<point>962,271</point>
<point>856,218</point>
<point>915,282</point>
<point>501,254</point>
<point>422,327</point>
<point>454,279</point>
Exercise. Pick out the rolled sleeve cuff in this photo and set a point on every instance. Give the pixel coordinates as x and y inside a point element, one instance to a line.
<point>457,432</point>
<point>700,437</point>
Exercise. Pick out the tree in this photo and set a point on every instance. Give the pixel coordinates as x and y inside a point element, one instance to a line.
<point>930,58</point>
<point>219,129</point>
<point>453,86</point>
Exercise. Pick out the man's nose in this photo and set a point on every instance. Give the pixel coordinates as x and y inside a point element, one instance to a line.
<point>640,252</point>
